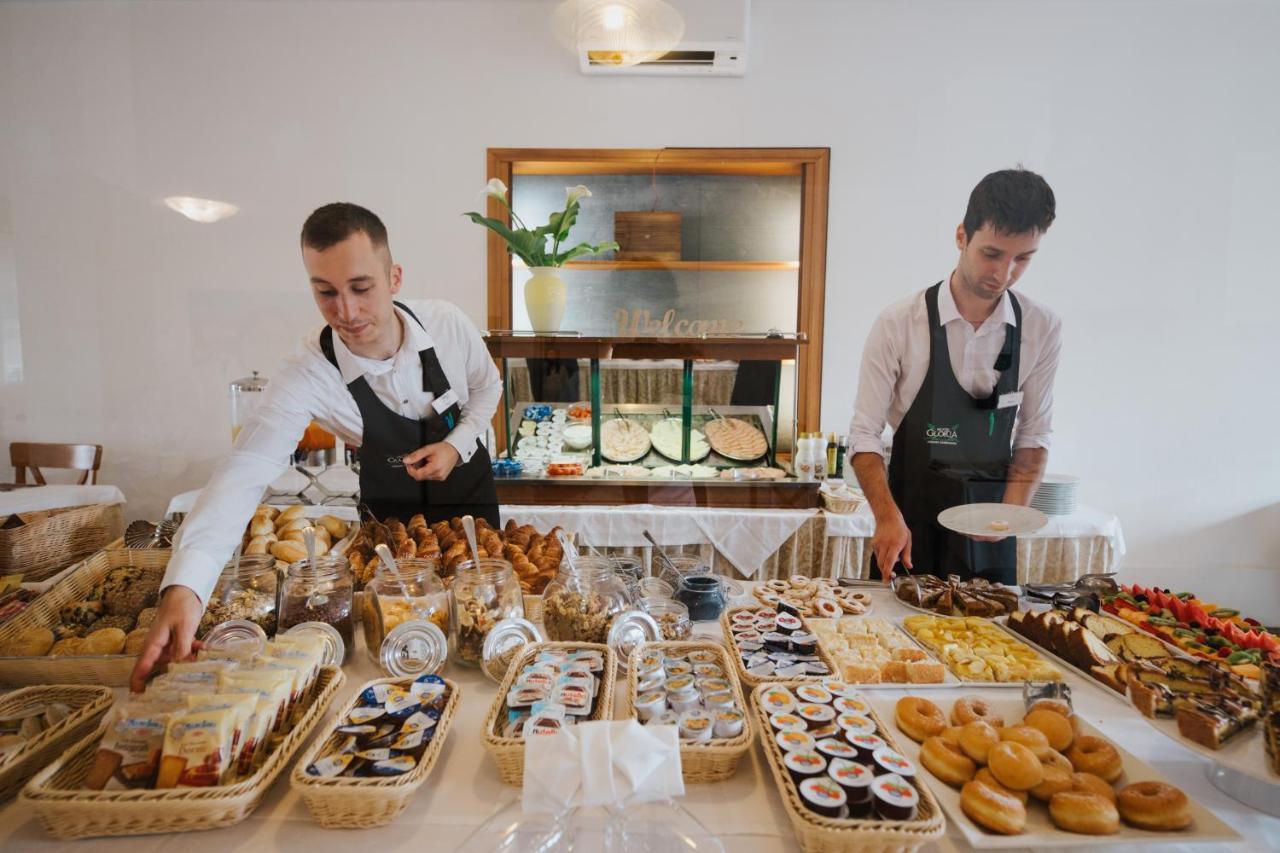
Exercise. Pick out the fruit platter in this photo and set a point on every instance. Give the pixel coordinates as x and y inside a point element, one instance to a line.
<point>1197,627</point>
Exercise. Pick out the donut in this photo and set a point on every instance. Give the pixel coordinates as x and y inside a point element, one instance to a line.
<point>1056,759</point>
<point>1055,705</point>
<point>1055,727</point>
<point>951,734</point>
<point>1087,783</point>
<point>1032,739</point>
<point>1056,780</point>
<point>918,718</point>
<point>1154,805</point>
<point>976,740</point>
<point>985,776</point>
<point>970,708</point>
<point>1015,766</point>
<point>1087,814</point>
<point>993,808</point>
<point>946,761</point>
<point>1094,755</point>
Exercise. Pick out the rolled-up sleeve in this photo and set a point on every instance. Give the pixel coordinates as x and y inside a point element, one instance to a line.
<point>881,366</point>
<point>484,388</point>
<point>217,521</point>
<point>1035,413</point>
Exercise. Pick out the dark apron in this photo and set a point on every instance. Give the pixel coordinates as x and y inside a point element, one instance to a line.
<point>385,487</point>
<point>952,449</point>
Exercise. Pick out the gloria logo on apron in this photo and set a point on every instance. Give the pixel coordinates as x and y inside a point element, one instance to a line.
<point>947,436</point>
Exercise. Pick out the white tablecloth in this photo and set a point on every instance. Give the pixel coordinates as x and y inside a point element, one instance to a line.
<point>745,811</point>
<point>1084,522</point>
<point>57,497</point>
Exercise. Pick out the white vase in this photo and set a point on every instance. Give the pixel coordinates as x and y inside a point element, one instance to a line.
<point>544,299</point>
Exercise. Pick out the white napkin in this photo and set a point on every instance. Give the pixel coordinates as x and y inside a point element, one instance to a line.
<point>748,539</point>
<point>603,763</point>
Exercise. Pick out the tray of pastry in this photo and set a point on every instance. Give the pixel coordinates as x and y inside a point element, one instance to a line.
<point>872,652</point>
<point>978,651</point>
<point>1003,784</point>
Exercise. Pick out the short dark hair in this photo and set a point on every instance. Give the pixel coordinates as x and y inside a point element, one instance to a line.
<point>1011,201</point>
<point>329,225</point>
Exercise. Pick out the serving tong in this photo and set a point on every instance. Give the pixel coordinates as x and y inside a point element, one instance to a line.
<point>1084,592</point>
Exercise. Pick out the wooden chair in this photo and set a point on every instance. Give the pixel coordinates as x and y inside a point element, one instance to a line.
<point>80,457</point>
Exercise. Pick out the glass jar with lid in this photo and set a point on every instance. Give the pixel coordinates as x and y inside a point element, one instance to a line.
<point>680,566</point>
<point>672,617</point>
<point>582,600</point>
<point>482,594</point>
<point>246,394</point>
<point>244,591</point>
<point>321,593</point>
<point>390,601</point>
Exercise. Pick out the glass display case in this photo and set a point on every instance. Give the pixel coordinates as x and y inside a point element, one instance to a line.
<point>681,448</point>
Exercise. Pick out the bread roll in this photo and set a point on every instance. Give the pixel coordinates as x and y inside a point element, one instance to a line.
<point>289,515</point>
<point>33,642</point>
<point>291,524</point>
<point>288,551</point>
<point>135,640</point>
<point>337,527</point>
<point>260,525</point>
<point>108,641</point>
<point>269,511</point>
<point>259,544</point>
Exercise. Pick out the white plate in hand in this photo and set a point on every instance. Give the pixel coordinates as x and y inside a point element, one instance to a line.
<point>976,520</point>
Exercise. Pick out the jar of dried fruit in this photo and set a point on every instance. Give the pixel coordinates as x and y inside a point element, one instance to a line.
<point>580,603</point>
<point>386,605</point>
<point>244,591</point>
<point>482,594</point>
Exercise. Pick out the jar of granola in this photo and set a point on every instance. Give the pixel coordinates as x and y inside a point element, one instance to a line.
<point>386,606</point>
<point>582,600</point>
<point>245,591</point>
<point>483,593</point>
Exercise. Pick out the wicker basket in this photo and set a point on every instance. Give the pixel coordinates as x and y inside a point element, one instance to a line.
<point>349,803</point>
<point>508,752</point>
<point>55,539</point>
<point>818,834</point>
<point>752,681</point>
<point>68,811</point>
<point>87,704</point>
<point>109,670</point>
<point>840,506</point>
<point>714,760</point>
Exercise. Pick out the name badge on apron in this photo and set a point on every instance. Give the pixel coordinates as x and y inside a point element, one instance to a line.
<point>450,398</point>
<point>1013,398</point>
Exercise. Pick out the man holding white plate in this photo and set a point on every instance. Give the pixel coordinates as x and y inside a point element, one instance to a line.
<point>962,373</point>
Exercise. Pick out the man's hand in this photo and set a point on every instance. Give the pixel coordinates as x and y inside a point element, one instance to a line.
<point>172,635</point>
<point>891,542</point>
<point>433,462</point>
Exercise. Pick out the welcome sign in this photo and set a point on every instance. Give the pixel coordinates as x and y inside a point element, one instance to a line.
<point>640,323</point>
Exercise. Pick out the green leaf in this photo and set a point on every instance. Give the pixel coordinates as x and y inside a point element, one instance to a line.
<point>584,249</point>
<point>528,245</point>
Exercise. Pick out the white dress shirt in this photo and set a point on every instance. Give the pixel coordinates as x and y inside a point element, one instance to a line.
<point>896,360</point>
<point>308,388</point>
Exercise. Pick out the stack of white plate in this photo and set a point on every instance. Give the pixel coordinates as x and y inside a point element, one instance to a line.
<point>1057,494</point>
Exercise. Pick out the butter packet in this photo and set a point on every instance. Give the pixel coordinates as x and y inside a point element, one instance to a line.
<point>129,753</point>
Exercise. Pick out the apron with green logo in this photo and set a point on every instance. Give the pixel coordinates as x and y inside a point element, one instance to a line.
<point>953,449</point>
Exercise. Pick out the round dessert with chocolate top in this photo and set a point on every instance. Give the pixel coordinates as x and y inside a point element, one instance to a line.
<point>823,796</point>
<point>894,798</point>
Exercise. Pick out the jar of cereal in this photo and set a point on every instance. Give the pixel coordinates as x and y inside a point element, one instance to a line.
<point>483,593</point>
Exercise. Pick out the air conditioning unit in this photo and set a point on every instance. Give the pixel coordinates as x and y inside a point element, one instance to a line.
<point>714,44</point>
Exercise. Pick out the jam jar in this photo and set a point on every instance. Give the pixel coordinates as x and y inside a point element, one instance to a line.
<point>482,594</point>
<point>320,593</point>
<point>582,600</point>
<point>246,591</point>
<point>386,607</point>
<point>703,595</point>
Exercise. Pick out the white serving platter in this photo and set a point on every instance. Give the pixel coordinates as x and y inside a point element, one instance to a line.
<point>949,679</point>
<point>1040,832</point>
<point>976,520</point>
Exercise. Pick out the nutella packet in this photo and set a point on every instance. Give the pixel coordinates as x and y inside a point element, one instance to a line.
<point>197,748</point>
<point>573,697</point>
<point>129,753</point>
<point>546,719</point>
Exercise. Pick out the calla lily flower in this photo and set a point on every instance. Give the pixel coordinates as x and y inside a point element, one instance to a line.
<point>575,193</point>
<point>497,188</point>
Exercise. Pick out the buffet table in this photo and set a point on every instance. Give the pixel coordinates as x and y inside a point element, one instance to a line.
<point>745,812</point>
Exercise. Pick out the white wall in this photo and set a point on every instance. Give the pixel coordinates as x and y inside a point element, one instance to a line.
<point>1156,122</point>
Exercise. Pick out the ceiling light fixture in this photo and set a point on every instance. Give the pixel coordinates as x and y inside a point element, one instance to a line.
<point>620,32</point>
<point>200,209</point>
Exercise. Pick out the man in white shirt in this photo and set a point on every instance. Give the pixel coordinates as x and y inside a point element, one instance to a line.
<point>415,392</point>
<point>962,373</point>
